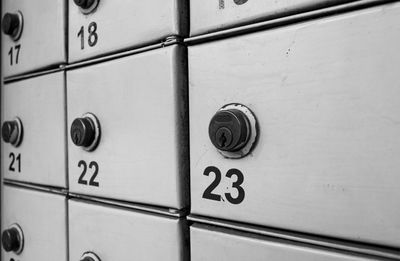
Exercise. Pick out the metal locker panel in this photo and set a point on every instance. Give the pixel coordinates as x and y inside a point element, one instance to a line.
<point>118,234</point>
<point>39,104</point>
<point>42,40</point>
<point>212,243</point>
<point>215,15</point>
<point>325,95</point>
<point>140,102</point>
<point>42,218</point>
<point>121,24</point>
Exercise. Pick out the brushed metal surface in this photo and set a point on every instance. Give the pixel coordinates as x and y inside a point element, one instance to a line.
<point>325,96</point>
<point>123,24</point>
<point>43,219</point>
<point>213,243</point>
<point>214,15</point>
<point>141,104</point>
<point>43,39</point>
<point>40,104</point>
<point>116,234</point>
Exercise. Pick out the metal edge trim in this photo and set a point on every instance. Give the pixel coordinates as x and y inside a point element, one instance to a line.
<point>130,205</point>
<point>52,190</point>
<point>286,20</point>
<point>342,245</point>
<point>32,74</point>
<point>171,40</point>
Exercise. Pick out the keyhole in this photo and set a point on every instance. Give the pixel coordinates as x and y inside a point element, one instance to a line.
<point>222,140</point>
<point>77,136</point>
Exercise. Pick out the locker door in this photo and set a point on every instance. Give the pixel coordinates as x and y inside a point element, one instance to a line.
<point>128,128</point>
<point>297,127</point>
<point>34,131</point>
<point>33,35</point>
<point>34,225</point>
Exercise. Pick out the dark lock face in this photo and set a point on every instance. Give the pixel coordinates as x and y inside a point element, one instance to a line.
<point>82,132</point>
<point>11,240</point>
<point>87,259</point>
<point>240,2</point>
<point>84,3</point>
<point>10,24</point>
<point>11,132</point>
<point>6,131</point>
<point>229,130</point>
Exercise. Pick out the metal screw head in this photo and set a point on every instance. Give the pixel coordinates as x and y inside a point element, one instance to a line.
<point>10,24</point>
<point>11,240</point>
<point>82,132</point>
<point>229,130</point>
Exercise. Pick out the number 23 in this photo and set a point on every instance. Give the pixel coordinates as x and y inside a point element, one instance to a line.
<point>208,193</point>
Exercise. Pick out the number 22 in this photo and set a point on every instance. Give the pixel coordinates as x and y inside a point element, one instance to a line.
<point>92,181</point>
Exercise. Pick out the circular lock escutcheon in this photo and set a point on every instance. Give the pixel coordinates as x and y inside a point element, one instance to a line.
<point>85,132</point>
<point>12,239</point>
<point>12,132</point>
<point>12,24</point>
<point>233,130</point>
<point>87,6</point>
<point>89,256</point>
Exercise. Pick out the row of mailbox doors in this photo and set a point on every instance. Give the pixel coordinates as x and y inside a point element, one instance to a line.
<point>38,31</point>
<point>44,226</point>
<point>291,127</point>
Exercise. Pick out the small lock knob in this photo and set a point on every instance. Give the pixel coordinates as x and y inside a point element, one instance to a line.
<point>85,132</point>
<point>240,2</point>
<point>82,132</point>
<point>229,130</point>
<point>234,131</point>
<point>87,6</point>
<point>12,239</point>
<point>11,132</point>
<point>84,3</point>
<point>12,24</point>
<point>87,259</point>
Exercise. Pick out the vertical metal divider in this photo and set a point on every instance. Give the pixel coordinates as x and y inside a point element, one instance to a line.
<point>66,161</point>
<point>66,44</point>
<point>1,120</point>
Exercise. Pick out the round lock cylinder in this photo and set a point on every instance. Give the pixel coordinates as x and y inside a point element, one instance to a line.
<point>12,239</point>
<point>12,24</point>
<point>89,256</point>
<point>12,131</point>
<point>86,6</point>
<point>85,132</point>
<point>233,130</point>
